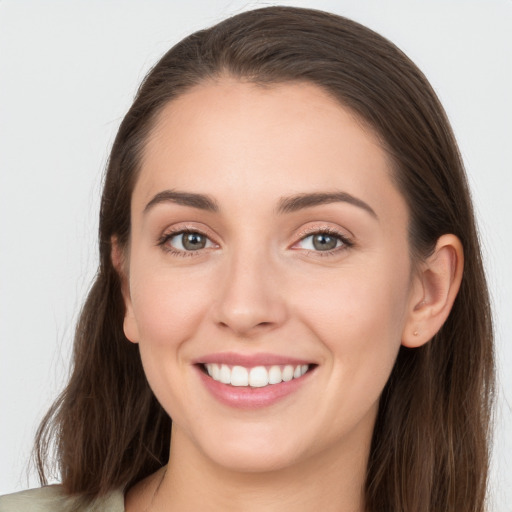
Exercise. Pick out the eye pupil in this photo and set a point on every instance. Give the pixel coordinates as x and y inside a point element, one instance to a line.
<point>193,241</point>
<point>324,242</point>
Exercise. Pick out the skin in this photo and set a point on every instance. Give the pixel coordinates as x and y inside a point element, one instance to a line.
<point>260,286</point>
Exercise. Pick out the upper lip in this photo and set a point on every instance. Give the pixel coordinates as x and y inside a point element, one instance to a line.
<point>250,360</point>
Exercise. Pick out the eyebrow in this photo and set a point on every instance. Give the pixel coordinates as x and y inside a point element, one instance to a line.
<point>200,201</point>
<point>286,204</point>
<point>301,201</point>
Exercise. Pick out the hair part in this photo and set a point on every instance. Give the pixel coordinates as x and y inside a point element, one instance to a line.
<point>431,440</point>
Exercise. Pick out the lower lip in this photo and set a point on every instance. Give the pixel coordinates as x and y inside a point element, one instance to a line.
<point>245,397</point>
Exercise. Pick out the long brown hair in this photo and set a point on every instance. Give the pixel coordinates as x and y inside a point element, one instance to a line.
<point>430,445</point>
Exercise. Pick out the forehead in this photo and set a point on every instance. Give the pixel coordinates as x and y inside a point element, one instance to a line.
<point>213,112</point>
<point>240,140</point>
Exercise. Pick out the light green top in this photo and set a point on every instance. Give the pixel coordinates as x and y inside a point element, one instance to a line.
<point>52,499</point>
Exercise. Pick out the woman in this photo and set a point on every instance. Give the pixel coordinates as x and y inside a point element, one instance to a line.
<point>290,271</point>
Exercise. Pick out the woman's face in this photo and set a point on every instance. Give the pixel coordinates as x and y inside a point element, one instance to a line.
<point>268,240</point>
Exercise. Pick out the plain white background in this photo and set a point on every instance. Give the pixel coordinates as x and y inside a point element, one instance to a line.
<point>68,73</point>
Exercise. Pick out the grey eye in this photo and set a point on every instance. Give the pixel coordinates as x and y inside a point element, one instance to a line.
<point>321,242</point>
<point>193,241</point>
<point>189,241</point>
<point>324,242</point>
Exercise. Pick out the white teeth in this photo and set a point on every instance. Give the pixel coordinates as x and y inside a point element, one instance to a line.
<point>256,377</point>
<point>275,375</point>
<point>239,376</point>
<point>288,373</point>
<point>225,374</point>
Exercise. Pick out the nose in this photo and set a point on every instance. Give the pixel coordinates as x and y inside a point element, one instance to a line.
<point>251,296</point>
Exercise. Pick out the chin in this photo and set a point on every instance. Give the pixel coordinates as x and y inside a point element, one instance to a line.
<point>250,460</point>
<point>256,448</point>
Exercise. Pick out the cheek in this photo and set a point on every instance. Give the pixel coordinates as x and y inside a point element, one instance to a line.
<point>359,321</point>
<point>357,304</point>
<point>359,318</point>
<point>167,305</point>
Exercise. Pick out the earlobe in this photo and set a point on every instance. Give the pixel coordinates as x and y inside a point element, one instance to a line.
<point>119,262</point>
<point>436,287</point>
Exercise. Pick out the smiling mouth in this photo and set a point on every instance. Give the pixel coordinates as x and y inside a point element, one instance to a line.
<point>255,377</point>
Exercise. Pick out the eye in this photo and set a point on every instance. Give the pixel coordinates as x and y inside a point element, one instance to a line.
<point>186,241</point>
<point>323,241</point>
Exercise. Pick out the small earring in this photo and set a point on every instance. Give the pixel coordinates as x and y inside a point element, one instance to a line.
<point>416,333</point>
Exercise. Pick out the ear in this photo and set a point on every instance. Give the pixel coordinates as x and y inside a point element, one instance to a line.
<point>119,261</point>
<point>434,291</point>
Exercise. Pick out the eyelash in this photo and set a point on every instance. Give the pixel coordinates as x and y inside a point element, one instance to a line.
<point>346,242</point>
<point>162,242</point>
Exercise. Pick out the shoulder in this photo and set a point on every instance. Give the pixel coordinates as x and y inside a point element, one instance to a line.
<point>36,500</point>
<point>52,499</point>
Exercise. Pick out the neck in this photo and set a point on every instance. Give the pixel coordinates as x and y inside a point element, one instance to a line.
<point>330,481</point>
